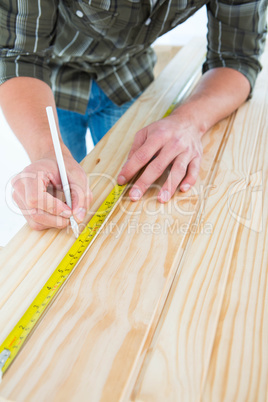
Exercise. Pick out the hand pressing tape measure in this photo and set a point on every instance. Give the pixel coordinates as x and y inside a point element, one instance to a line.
<point>17,337</point>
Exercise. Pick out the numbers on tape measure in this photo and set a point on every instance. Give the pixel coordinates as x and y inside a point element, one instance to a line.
<point>15,340</point>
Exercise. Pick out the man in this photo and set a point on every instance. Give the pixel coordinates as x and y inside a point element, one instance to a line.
<point>91,59</point>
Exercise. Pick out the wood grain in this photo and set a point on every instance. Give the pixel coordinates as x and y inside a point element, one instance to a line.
<point>238,369</point>
<point>102,317</point>
<point>35,251</point>
<point>94,325</point>
<point>211,340</point>
<point>169,302</point>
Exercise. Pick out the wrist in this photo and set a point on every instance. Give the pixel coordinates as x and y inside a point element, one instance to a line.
<point>190,116</point>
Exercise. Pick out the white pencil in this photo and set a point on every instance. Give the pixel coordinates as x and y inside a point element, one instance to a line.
<point>61,165</point>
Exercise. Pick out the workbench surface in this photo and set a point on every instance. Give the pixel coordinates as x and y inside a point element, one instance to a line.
<point>170,301</point>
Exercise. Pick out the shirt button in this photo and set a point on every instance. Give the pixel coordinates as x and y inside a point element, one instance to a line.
<point>79,14</point>
<point>148,21</point>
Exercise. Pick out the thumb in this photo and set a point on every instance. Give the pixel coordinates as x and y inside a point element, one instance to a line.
<point>81,196</point>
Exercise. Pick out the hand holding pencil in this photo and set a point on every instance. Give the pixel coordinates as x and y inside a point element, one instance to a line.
<point>42,207</point>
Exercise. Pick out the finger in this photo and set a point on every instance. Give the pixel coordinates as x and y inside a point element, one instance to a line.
<point>139,159</point>
<point>46,220</point>
<point>139,140</point>
<point>81,196</point>
<point>18,186</point>
<point>40,220</point>
<point>175,176</point>
<point>153,171</point>
<point>19,200</point>
<point>36,196</point>
<point>191,175</point>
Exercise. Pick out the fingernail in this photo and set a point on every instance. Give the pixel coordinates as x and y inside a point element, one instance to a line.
<point>185,187</point>
<point>164,196</point>
<point>80,214</point>
<point>66,213</point>
<point>135,194</point>
<point>121,180</point>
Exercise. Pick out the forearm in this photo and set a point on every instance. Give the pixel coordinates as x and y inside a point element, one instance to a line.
<point>218,93</point>
<point>23,101</point>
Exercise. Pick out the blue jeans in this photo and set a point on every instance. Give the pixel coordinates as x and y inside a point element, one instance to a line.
<point>101,114</point>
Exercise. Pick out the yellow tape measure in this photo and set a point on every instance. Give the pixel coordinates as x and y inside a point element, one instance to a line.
<point>15,340</point>
<point>17,337</point>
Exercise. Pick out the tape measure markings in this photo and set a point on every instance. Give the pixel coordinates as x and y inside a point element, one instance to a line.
<point>18,336</point>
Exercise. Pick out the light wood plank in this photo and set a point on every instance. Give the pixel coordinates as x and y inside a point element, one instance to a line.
<point>178,359</point>
<point>30,246</point>
<point>90,343</point>
<point>164,54</point>
<point>238,369</point>
<point>103,314</point>
<point>5,400</point>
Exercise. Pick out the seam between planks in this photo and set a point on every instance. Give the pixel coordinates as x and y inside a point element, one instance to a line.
<point>204,380</point>
<point>165,299</point>
<point>51,240</point>
<point>188,242</point>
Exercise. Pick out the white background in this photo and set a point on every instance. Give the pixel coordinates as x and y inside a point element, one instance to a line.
<point>13,158</point>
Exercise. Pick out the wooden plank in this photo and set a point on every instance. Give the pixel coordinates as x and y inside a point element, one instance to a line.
<point>164,54</point>
<point>179,356</point>
<point>238,369</point>
<point>5,400</point>
<point>30,245</point>
<point>103,316</point>
<point>90,342</point>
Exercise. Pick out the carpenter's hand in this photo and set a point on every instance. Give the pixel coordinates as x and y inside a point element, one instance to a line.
<point>171,141</point>
<point>32,193</point>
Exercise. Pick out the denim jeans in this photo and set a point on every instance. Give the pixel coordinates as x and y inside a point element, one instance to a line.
<point>101,114</point>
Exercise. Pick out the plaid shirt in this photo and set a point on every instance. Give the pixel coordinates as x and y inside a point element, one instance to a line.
<point>67,43</point>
